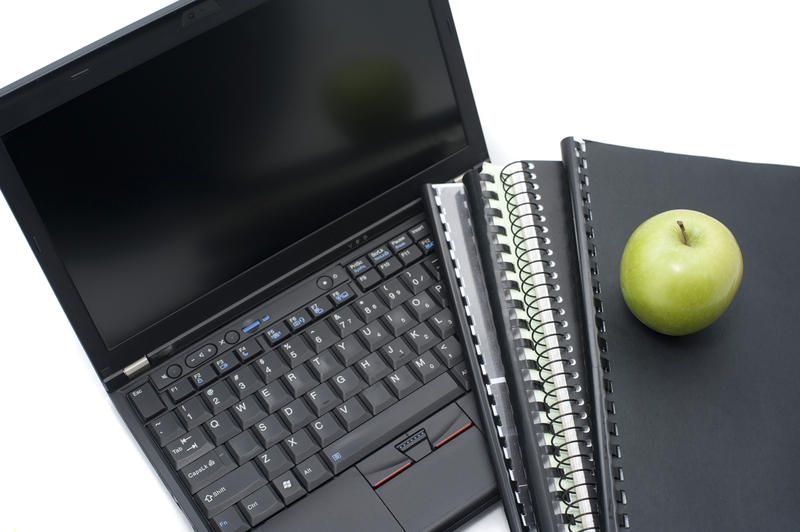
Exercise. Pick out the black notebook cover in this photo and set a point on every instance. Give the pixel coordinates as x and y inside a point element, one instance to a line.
<point>707,425</point>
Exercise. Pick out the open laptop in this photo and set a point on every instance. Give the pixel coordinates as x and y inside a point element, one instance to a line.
<point>225,198</point>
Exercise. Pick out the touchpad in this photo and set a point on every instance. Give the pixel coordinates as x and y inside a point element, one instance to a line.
<point>447,484</point>
<point>347,504</point>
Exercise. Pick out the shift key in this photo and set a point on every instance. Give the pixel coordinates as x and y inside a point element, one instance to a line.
<point>230,489</point>
<point>399,417</point>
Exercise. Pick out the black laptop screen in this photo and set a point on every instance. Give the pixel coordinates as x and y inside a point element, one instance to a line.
<point>162,184</point>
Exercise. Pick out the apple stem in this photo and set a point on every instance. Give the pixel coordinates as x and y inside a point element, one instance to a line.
<point>683,231</point>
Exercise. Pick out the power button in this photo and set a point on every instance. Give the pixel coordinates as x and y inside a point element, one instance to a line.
<point>324,283</point>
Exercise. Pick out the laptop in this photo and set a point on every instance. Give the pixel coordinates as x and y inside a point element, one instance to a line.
<point>226,199</point>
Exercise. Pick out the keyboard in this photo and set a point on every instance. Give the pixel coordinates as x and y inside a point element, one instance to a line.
<point>296,401</point>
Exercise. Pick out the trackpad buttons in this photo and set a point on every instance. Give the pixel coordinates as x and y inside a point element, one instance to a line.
<point>443,486</point>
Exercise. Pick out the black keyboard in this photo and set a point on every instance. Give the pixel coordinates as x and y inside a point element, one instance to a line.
<point>300,399</point>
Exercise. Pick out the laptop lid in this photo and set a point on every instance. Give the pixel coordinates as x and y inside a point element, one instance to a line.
<point>181,170</point>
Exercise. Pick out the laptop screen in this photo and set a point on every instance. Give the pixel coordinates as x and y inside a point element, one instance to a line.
<point>186,171</point>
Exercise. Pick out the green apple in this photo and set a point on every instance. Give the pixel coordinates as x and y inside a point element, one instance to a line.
<point>679,271</point>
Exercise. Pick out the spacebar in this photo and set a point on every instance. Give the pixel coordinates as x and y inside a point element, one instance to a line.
<point>390,423</point>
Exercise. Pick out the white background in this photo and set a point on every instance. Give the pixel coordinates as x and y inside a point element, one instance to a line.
<point>711,78</point>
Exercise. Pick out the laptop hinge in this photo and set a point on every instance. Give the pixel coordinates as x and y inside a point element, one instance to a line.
<point>137,367</point>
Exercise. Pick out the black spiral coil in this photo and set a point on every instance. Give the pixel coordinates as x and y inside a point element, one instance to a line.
<point>523,202</point>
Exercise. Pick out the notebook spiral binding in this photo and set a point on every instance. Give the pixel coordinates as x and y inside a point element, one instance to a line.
<point>542,325</point>
<point>514,482</point>
<point>608,387</point>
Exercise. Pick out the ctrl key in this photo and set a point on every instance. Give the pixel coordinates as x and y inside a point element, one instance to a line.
<point>230,521</point>
<point>260,505</point>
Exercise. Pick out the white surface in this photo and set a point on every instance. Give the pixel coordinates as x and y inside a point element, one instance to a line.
<point>711,78</point>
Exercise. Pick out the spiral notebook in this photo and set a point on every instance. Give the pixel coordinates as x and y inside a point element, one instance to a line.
<point>515,268</point>
<point>600,423</point>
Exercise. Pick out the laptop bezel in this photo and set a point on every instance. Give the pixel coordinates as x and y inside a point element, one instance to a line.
<point>79,72</point>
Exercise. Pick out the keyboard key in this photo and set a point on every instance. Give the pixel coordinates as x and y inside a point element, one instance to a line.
<point>270,431</point>
<point>421,338</point>
<point>438,293</point>
<point>299,319</point>
<point>347,384</point>
<point>325,365</point>
<point>379,254</point>
<point>349,350</point>
<point>390,267</point>
<point>276,333</point>
<point>326,429</point>
<point>248,349</point>
<point>322,399</point>
<point>372,368</point>
<point>229,520</point>
<point>410,254</point>
<point>427,367</point>
<point>358,266</point>
<point>386,426</point>
<point>462,376</point>
<point>443,323</point>
<point>219,397</point>
<point>274,461</point>
<point>273,396</point>
<point>162,379</point>
<point>369,307</point>
<point>345,321</point>
<point>185,449</point>
<point>368,279</point>
<point>418,231</point>
<point>351,413</point>
<point>270,366</point>
<point>374,335</point>
<point>427,244</point>
<point>202,376</point>
<point>288,488</point>
<point>295,351</point>
<point>449,351</point>
<point>226,362</point>
<point>399,321</point>
<point>422,306</point>
<point>402,382</point>
<point>320,336</point>
<point>244,447</point>
<point>224,492</point>
<point>247,412</point>
<point>341,295</point>
<point>146,401</point>
<point>180,389</point>
<point>397,353</point>
<point>193,412</point>
<point>222,428</point>
<point>296,415</point>
<point>319,307</point>
<point>245,381</point>
<point>299,381</point>
<point>393,292</point>
<point>377,398</point>
<point>300,446</point>
<point>260,505</point>
<point>399,242</point>
<point>201,355</point>
<point>416,278</point>
<point>312,473</point>
<point>166,428</point>
<point>434,267</point>
<point>207,469</point>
